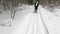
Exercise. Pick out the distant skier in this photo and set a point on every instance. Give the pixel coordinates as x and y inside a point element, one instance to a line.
<point>36,6</point>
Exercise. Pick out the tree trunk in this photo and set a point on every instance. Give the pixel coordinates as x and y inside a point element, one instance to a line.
<point>13,12</point>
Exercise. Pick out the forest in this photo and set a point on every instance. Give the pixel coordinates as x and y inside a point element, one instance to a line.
<point>14,3</point>
<point>11,4</point>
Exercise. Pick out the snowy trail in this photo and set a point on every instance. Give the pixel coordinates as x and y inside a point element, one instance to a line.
<point>32,24</point>
<point>26,21</point>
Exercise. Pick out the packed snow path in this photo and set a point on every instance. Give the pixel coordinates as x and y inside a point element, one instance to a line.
<point>26,21</point>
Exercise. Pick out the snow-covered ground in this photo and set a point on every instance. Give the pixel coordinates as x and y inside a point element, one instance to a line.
<point>26,21</point>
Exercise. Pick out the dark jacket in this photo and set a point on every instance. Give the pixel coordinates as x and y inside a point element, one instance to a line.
<point>36,5</point>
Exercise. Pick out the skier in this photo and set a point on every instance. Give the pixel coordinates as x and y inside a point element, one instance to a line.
<point>36,6</point>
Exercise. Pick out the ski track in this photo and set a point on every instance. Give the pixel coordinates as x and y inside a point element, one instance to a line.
<point>25,19</point>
